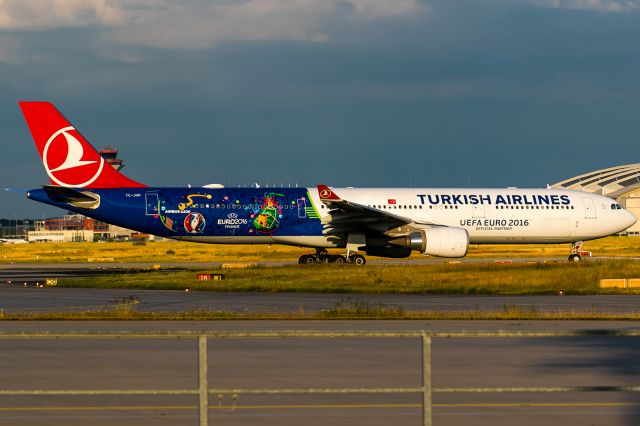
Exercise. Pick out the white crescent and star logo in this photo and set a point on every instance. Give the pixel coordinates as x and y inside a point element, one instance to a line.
<point>70,170</point>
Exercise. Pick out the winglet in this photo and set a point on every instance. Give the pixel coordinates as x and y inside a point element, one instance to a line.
<point>326,194</point>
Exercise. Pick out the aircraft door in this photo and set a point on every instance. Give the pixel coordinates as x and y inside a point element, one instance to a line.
<point>152,202</point>
<point>589,208</point>
<point>302,208</point>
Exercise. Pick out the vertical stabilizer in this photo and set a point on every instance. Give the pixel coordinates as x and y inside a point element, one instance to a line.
<point>67,157</point>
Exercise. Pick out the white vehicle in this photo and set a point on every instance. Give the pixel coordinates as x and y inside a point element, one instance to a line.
<point>12,241</point>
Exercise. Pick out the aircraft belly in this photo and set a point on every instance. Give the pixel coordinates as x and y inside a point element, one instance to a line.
<point>302,241</point>
<point>307,241</point>
<point>261,239</point>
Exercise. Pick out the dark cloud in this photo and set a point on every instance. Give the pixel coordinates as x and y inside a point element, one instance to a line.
<point>455,94</point>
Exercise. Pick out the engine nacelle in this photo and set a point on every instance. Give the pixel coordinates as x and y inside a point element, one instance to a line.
<point>441,241</point>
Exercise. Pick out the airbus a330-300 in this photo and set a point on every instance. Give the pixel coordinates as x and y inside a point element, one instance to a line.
<point>387,222</point>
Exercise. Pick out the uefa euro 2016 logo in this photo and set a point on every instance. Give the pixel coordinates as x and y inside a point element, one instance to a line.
<point>194,223</point>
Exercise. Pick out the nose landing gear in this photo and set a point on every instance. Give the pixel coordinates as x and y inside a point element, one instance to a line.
<point>577,252</point>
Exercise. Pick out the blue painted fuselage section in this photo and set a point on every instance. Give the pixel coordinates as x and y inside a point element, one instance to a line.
<point>201,212</point>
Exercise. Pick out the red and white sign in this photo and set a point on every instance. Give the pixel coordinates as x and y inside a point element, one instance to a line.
<point>391,201</point>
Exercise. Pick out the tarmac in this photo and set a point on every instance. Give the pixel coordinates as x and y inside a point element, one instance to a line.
<point>109,363</point>
<point>15,297</point>
<point>19,293</point>
<point>338,362</point>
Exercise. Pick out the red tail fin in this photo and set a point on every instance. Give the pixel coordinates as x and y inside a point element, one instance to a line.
<point>68,158</point>
<point>326,194</point>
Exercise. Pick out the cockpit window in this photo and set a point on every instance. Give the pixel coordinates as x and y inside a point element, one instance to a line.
<point>616,206</point>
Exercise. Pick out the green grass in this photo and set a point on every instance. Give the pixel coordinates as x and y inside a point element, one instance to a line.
<point>179,251</point>
<point>360,311</point>
<point>463,278</point>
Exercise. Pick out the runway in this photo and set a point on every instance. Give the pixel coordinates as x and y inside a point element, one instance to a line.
<point>34,271</point>
<point>259,363</point>
<point>17,298</point>
<point>18,293</point>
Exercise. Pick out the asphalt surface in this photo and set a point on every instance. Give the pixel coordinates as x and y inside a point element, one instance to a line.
<point>19,293</point>
<point>73,269</point>
<point>338,362</point>
<point>300,363</point>
<point>17,298</point>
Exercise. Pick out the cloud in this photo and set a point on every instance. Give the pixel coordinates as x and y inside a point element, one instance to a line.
<point>51,14</point>
<point>10,51</point>
<point>383,8</point>
<point>593,5</point>
<point>199,23</point>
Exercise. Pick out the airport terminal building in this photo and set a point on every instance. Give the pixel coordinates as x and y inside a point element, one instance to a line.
<point>75,228</point>
<point>621,183</point>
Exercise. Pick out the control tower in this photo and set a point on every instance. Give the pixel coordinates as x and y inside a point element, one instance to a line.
<point>110,154</point>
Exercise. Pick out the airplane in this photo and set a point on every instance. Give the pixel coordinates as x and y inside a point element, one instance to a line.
<point>386,222</point>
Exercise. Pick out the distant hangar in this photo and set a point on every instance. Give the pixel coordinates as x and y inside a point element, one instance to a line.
<point>621,183</point>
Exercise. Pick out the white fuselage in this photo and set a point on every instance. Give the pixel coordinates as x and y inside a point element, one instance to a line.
<point>509,215</point>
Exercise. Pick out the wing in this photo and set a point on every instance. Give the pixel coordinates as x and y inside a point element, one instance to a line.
<point>346,216</point>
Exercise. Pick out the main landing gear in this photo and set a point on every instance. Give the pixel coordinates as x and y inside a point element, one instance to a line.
<point>323,256</point>
<point>576,251</point>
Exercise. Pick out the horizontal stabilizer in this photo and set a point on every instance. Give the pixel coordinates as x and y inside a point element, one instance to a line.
<point>82,199</point>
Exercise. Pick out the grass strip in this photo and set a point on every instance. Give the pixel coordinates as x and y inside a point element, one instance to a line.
<point>447,279</point>
<point>179,251</point>
<point>385,313</point>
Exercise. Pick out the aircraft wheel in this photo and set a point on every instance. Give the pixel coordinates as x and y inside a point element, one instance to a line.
<point>307,259</point>
<point>358,259</point>
<point>339,259</point>
<point>574,258</point>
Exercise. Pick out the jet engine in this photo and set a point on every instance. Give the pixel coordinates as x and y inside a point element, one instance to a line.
<point>441,241</point>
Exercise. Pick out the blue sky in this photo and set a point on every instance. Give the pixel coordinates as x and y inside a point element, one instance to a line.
<point>359,93</point>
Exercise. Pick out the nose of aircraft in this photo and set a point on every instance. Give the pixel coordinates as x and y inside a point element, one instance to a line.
<point>629,219</point>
